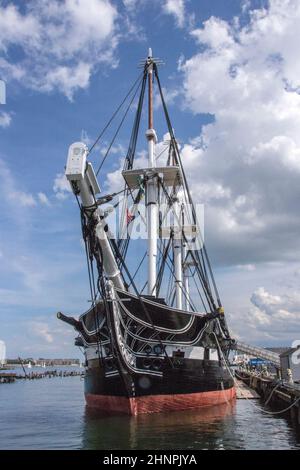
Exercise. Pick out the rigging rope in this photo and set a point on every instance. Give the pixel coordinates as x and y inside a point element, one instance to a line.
<point>115,113</point>
<point>138,268</point>
<point>170,128</point>
<point>144,308</point>
<point>117,131</point>
<point>91,279</point>
<point>198,265</point>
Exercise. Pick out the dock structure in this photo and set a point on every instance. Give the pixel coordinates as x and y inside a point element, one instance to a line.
<point>244,392</point>
<point>282,396</point>
<point>7,377</point>
<point>11,377</point>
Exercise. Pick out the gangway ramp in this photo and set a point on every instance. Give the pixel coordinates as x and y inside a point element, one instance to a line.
<point>256,351</point>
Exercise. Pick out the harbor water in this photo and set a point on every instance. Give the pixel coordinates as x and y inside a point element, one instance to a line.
<point>50,413</point>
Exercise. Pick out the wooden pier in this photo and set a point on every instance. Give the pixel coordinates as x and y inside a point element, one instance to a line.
<point>7,377</point>
<point>244,392</point>
<point>279,395</point>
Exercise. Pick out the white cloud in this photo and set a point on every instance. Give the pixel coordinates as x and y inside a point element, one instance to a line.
<point>265,301</point>
<point>85,138</point>
<point>10,192</point>
<point>44,338</point>
<point>246,267</point>
<point>62,42</point>
<point>118,149</point>
<point>41,330</point>
<point>16,27</point>
<point>43,271</point>
<point>61,186</point>
<point>216,33</point>
<point>15,196</point>
<point>275,313</point>
<point>131,4</point>
<point>114,179</point>
<point>10,70</point>
<point>66,78</point>
<point>245,163</point>
<point>43,199</point>
<point>170,96</point>
<point>5,119</point>
<point>31,273</point>
<point>176,8</point>
<point>246,5</point>
<point>22,198</point>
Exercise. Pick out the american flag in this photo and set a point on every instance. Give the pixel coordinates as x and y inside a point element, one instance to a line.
<point>129,217</point>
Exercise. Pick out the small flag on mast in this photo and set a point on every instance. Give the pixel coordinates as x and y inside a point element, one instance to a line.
<point>129,217</point>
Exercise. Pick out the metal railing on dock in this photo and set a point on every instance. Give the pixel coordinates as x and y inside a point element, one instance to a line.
<point>258,352</point>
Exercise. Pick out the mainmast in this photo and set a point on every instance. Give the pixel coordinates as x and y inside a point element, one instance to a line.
<point>151,187</point>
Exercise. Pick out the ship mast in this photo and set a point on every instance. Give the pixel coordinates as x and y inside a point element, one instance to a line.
<point>186,284</point>
<point>151,186</point>
<point>177,250</point>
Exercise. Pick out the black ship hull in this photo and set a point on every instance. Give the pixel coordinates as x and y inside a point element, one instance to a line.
<point>189,384</point>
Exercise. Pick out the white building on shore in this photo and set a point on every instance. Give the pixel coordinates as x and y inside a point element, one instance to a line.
<point>2,353</point>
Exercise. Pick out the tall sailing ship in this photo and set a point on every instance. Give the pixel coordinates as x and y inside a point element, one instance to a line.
<point>155,338</point>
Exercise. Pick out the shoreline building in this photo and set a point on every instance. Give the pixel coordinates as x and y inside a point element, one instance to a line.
<point>2,353</point>
<point>290,364</point>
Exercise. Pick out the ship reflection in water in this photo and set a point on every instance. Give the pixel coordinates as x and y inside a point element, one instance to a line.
<point>236,425</point>
<point>206,428</point>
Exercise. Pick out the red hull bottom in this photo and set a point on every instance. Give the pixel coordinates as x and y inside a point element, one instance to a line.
<point>158,403</point>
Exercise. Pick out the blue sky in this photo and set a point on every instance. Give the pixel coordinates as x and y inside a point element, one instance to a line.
<point>232,86</point>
